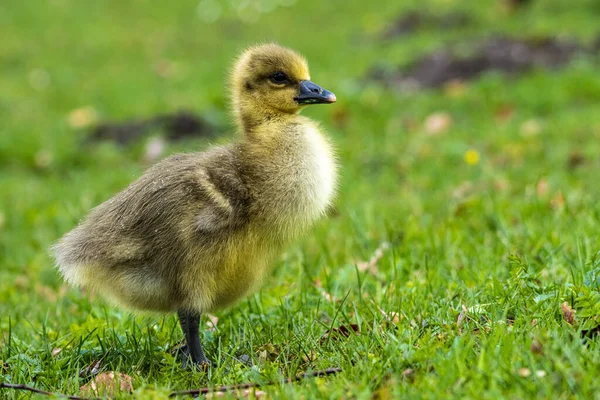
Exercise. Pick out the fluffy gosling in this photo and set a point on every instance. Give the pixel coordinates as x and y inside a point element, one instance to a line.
<point>197,231</point>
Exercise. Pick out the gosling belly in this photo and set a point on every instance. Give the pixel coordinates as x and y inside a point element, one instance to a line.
<point>235,271</point>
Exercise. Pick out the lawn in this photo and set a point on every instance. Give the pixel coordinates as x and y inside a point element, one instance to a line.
<point>463,256</point>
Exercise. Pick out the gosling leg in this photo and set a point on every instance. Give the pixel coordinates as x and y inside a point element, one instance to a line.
<point>190,322</point>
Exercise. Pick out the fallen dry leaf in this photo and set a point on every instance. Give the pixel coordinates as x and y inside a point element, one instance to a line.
<point>212,322</point>
<point>342,331</point>
<point>214,395</point>
<point>340,117</point>
<point>309,356</point>
<point>409,124</point>
<point>392,316</point>
<point>501,184</point>
<point>461,318</point>
<point>371,265</point>
<point>49,293</point>
<point>438,123</point>
<point>22,282</point>
<point>46,292</point>
<point>568,313</point>
<point>328,296</point>
<point>268,352</point>
<point>62,290</point>
<point>91,370</point>
<point>542,187</point>
<point>253,393</point>
<point>504,113</point>
<point>524,372</point>
<point>557,202</point>
<point>82,117</point>
<point>56,351</point>
<point>409,374</point>
<point>107,384</point>
<point>455,88</point>
<point>530,128</point>
<point>537,347</point>
<point>463,190</point>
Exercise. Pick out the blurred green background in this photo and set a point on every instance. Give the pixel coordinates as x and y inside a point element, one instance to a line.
<point>467,213</point>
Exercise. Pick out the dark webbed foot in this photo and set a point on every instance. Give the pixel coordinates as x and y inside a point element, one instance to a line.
<point>192,350</point>
<point>186,358</point>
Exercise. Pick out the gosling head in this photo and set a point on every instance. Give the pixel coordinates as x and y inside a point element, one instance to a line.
<point>268,80</point>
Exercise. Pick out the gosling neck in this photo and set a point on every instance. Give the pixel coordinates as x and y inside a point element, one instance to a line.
<point>250,120</point>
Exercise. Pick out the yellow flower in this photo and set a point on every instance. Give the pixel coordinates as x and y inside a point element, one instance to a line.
<point>472,157</point>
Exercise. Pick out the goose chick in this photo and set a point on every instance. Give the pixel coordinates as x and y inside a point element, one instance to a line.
<point>197,231</point>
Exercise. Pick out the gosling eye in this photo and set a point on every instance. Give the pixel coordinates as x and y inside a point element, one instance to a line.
<point>279,78</point>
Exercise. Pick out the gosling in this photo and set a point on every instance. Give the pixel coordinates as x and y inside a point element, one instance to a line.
<point>198,231</point>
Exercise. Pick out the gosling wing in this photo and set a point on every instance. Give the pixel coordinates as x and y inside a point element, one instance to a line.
<point>183,200</point>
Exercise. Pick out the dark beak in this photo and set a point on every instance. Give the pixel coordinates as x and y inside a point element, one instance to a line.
<point>311,93</point>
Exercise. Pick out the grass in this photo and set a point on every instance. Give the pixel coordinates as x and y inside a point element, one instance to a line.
<point>475,258</point>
